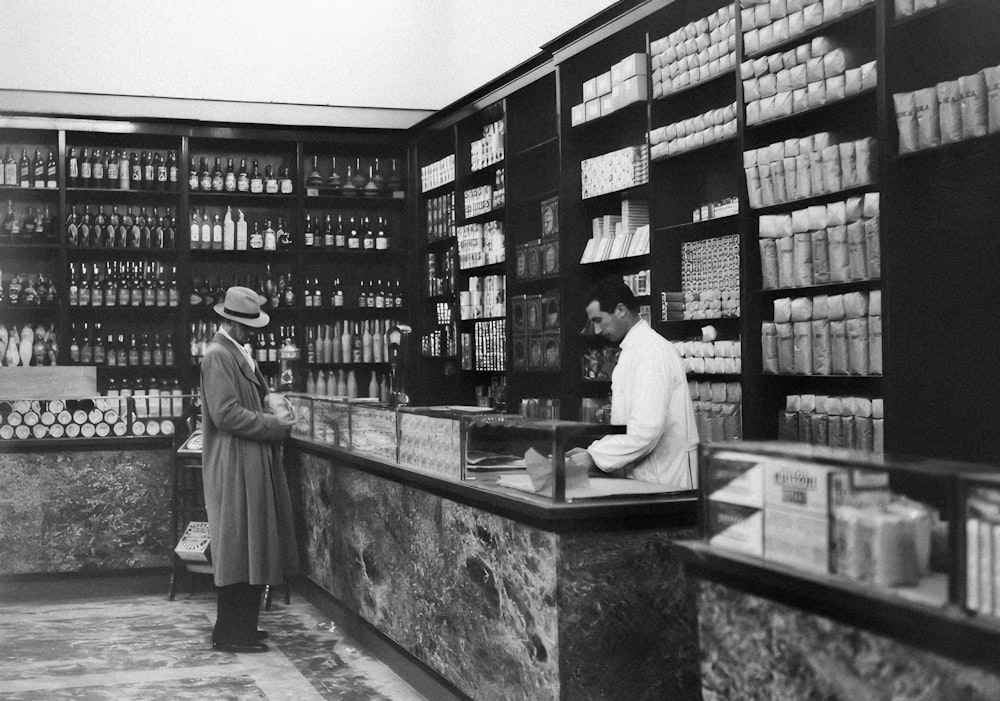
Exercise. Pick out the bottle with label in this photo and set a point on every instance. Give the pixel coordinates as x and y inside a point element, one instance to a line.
<point>38,170</point>
<point>339,237</point>
<point>51,180</point>
<point>243,178</point>
<point>83,179</point>
<point>359,181</point>
<point>218,181</point>
<point>353,236</point>
<point>328,233</point>
<point>85,227</point>
<point>229,183</point>
<point>111,165</point>
<point>173,292</point>
<point>334,182</point>
<point>134,171</point>
<point>10,169</point>
<point>347,185</point>
<point>217,243</point>
<point>270,180</point>
<point>283,234</point>
<point>195,231</point>
<point>145,235</point>
<point>72,167</point>
<point>314,179</point>
<point>160,168</point>
<point>148,171</point>
<point>309,234</point>
<point>368,236</point>
<point>285,186</point>
<point>172,174</point>
<point>229,229</point>
<point>381,237</point>
<point>72,228</point>
<point>241,233</point>
<point>206,230</point>
<point>270,238</point>
<point>338,294</point>
<point>256,238</point>
<point>256,181</point>
<point>204,176</point>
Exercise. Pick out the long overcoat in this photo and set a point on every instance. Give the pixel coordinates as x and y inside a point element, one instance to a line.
<point>246,492</point>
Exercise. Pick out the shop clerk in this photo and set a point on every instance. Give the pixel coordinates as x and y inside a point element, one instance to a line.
<point>649,396</point>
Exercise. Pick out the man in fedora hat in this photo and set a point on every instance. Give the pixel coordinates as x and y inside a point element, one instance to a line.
<point>246,494</point>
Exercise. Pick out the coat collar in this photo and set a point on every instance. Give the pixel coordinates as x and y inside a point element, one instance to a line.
<point>254,375</point>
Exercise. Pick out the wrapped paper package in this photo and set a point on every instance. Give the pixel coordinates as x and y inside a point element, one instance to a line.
<point>768,85</point>
<point>950,111</point>
<point>820,257</point>
<point>800,221</point>
<point>920,515</point>
<point>855,305</point>
<point>803,260</point>
<point>975,116</point>
<point>835,430</point>
<point>904,8</point>
<point>863,433</point>
<point>805,428</point>
<point>875,303</point>
<point>769,348</point>
<point>925,105</point>
<point>818,424</point>
<point>852,82</point>
<point>769,263</point>
<point>857,255</point>
<point>793,403</point>
<point>803,53</point>
<point>782,310</point>
<point>802,176</point>
<point>822,45</point>
<point>778,9</point>
<point>892,542</point>
<point>906,121</point>
<point>836,62</point>
<point>786,349</point>
<point>788,426</point>
<point>839,254</point>
<point>848,167</point>
<point>799,76</point>
<point>852,560</point>
<point>849,428</point>
<point>875,345</point>
<point>751,90</point>
<point>869,75</point>
<point>821,307</point>
<point>801,309</point>
<point>803,358</point>
<point>766,185</point>
<point>832,181</point>
<point>832,9</point>
<point>778,180</point>
<point>835,307</point>
<point>800,100</point>
<point>873,248</point>
<point>807,403</point>
<point>878,435</point>
<point>816,171</point>
<point>865,155</point>
<point>992,75</point>
<point>791,187</point>
<point>857,346</point>
<point>753,188</point>
<point>836,214</point>
<point>819,218</point>
<point>871,204</point>
<point>788,59</point>
<point>796,5</point>
<point>838,348</point>
<point>835,88</point>
<point>851,5</point>
<point>816,92</point>
<point>821,347</point>
<point>853,208</point>
<point>786,263</point>
<point>814,71</point>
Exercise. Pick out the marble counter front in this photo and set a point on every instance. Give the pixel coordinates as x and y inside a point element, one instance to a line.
<point>500,608</point>
<point>84,510</point>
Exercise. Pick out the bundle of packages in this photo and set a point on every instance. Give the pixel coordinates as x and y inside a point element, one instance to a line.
<point>692,133</point>
<point>841,422</point>
<point>710,357</point>
<point>694,53</point>
<point>809,166</point>
<point>951,111</point>
<point>808,76</point>
<point>835,242</point>
<point>718,410</point>
<point>767,23</point>
<point>908,8</point>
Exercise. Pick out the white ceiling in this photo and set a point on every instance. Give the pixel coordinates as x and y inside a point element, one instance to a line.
<point>406,57</point>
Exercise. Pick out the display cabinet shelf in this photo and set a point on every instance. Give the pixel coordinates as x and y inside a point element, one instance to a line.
<point>29,246</point>
<point>958,149</point>
<point>824,28</point>
<point>818,199</point>
<point>717,80</point>
<point>528,150</point>
<point>94,194</point>
<point>236,198</point>
<point>827,288</point>
<point>728,142</point>
<point>828,110</point>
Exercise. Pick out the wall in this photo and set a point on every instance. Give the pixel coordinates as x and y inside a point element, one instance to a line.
<point>334,54</point>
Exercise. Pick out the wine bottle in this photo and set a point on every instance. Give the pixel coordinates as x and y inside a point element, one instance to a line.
<point>229,227</point>
<point>241,233</point>
<point>242,178</point>
<point>256,181</point>
<point>218,180</point>
<point>51,174</point>
<point>229,183</point>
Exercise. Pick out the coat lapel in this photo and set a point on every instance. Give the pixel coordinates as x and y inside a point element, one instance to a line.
<point>253,375</point>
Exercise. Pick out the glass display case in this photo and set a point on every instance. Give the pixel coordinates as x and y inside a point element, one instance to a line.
<point>373,429</point>
<point>430,438</point>
<point>301,406</point>
<point>890,525</point>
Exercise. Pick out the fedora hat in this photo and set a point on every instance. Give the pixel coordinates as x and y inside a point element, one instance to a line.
<point>242,305</point>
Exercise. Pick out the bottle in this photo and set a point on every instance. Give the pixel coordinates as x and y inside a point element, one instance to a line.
<point>169,357</point>
<point>371,187</point>
<point>72,167</point>
<point>366,344</point>
<point>285,186</point>
<point>373,387</point>
<point>314,179</point>
<point>111,169</point>
<point>346,344</point>
<point>334,182</point>
<point>111,286</point>
<point>38,170</point>
<point>270,238</point>
<point>309,235</point>
<point>206,231</point>
<point>195,231</point>
<point>173,292</point>
<point>172,175</point>
<point>377,342</point>
<point>229,183</point>
<point>339,237</point>
<point>270,181</point>
<point>148,171</point>
<point>347,187</point>
<point>336,346</point>
<point>283,234</point>
<point>311,346</point>
<point>25,171</point>
<point>357,345</point>
<point>241,233</point>
<point>368,236</point>
<point>256,181</point>
<point>141,232</point>
<point>359,180</point>
<point>10,169</point>
<point>381,237</point>
<point>395,182</point>
<point>353,236</point>
<point>272,348</point>
<point>338,294</point>
<point>135,170</point>
<point>352,385</point>
<point>218,181</point>
<point>125,287</point>
<point>256,238</point>
<point>136,291</point>
<point>362,296</point>
<point>217,243</point>
<point>341,384</point>
<point>380,183</point>
<point>160,168</point>
<point>229,228</point>
<point>328,233</point>
<point>51,180</point>
<point>242,178</point>
<point>133,352</point>
<point>125,171</point>
<point>74,346</point>
<point>204,176</point>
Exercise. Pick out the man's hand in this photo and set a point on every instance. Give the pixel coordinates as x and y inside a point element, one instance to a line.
<point>581,457</point>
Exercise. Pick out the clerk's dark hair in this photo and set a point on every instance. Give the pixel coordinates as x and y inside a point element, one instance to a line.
<point>610,292</point>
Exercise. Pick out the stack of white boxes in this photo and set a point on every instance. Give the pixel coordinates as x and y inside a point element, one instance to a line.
<point>489,149</point>
<point>617,170</point>
<point>603,94</point>
<point>696,52</point>
<point>806,77</point>
<point>438,173</point>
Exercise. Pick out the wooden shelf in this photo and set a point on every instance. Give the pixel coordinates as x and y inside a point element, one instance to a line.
<point>817,199</point>
<point>812,112</point>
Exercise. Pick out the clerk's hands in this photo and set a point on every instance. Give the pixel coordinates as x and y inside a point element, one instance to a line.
<point>581,457</point>
<point>279,405</point>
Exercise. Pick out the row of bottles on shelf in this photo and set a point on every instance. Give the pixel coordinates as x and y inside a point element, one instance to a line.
<point>226,234</point>
<point>357,234</point>
<point>36,172</point>
<point>280,292</point>
<point>26,289</point>
<point>121,169</point>
<point>202,178</point>
<point>341,383</point>
<point>348,342</point>
<point>123,284</point>
<point>35,226</point>
<point>354,181</point>
<point>116,230</point>
<point>372,294</point>
<point>264,347</point>
<point>277,291</point>
<point>91,346</point>
<point>153,397</point>
<point>29,345</point>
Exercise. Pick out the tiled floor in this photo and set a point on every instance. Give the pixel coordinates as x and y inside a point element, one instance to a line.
<point>146,647</point>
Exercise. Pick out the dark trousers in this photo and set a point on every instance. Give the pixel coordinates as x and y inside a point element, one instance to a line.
<point>238,611</point>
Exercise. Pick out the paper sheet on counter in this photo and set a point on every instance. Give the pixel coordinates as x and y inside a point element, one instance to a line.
<point>598,487</point>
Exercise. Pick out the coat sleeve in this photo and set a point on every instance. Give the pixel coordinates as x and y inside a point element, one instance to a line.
<point>219,377</point>
<point>649,388</point>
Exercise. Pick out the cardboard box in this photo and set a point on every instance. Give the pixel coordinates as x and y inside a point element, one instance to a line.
<point>607,104</point>
<point>519,315</point>
<point>735,478</point>
<point>534,314</point>
<point>550,217</point>
<point>194,543</point>
<point>536,353</point>
<point>590,90</point>
<point>519,352</point>
<point>804,487</point>
<point>578,114</point>
<point>552,350</point>
<point>633,65</point>
<point>634,89</point>
<point>604,84</point>
<point>550,258</point>
<point>736,527</point>
<point>593,108</point>
<point>551,317</point>
<point>797,538</point>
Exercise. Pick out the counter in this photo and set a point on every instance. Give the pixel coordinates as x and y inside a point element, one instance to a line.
<point>505,594</point>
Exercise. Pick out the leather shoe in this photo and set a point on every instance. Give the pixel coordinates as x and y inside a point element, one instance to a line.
<point>262,634</point>
<point>243,649</point>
